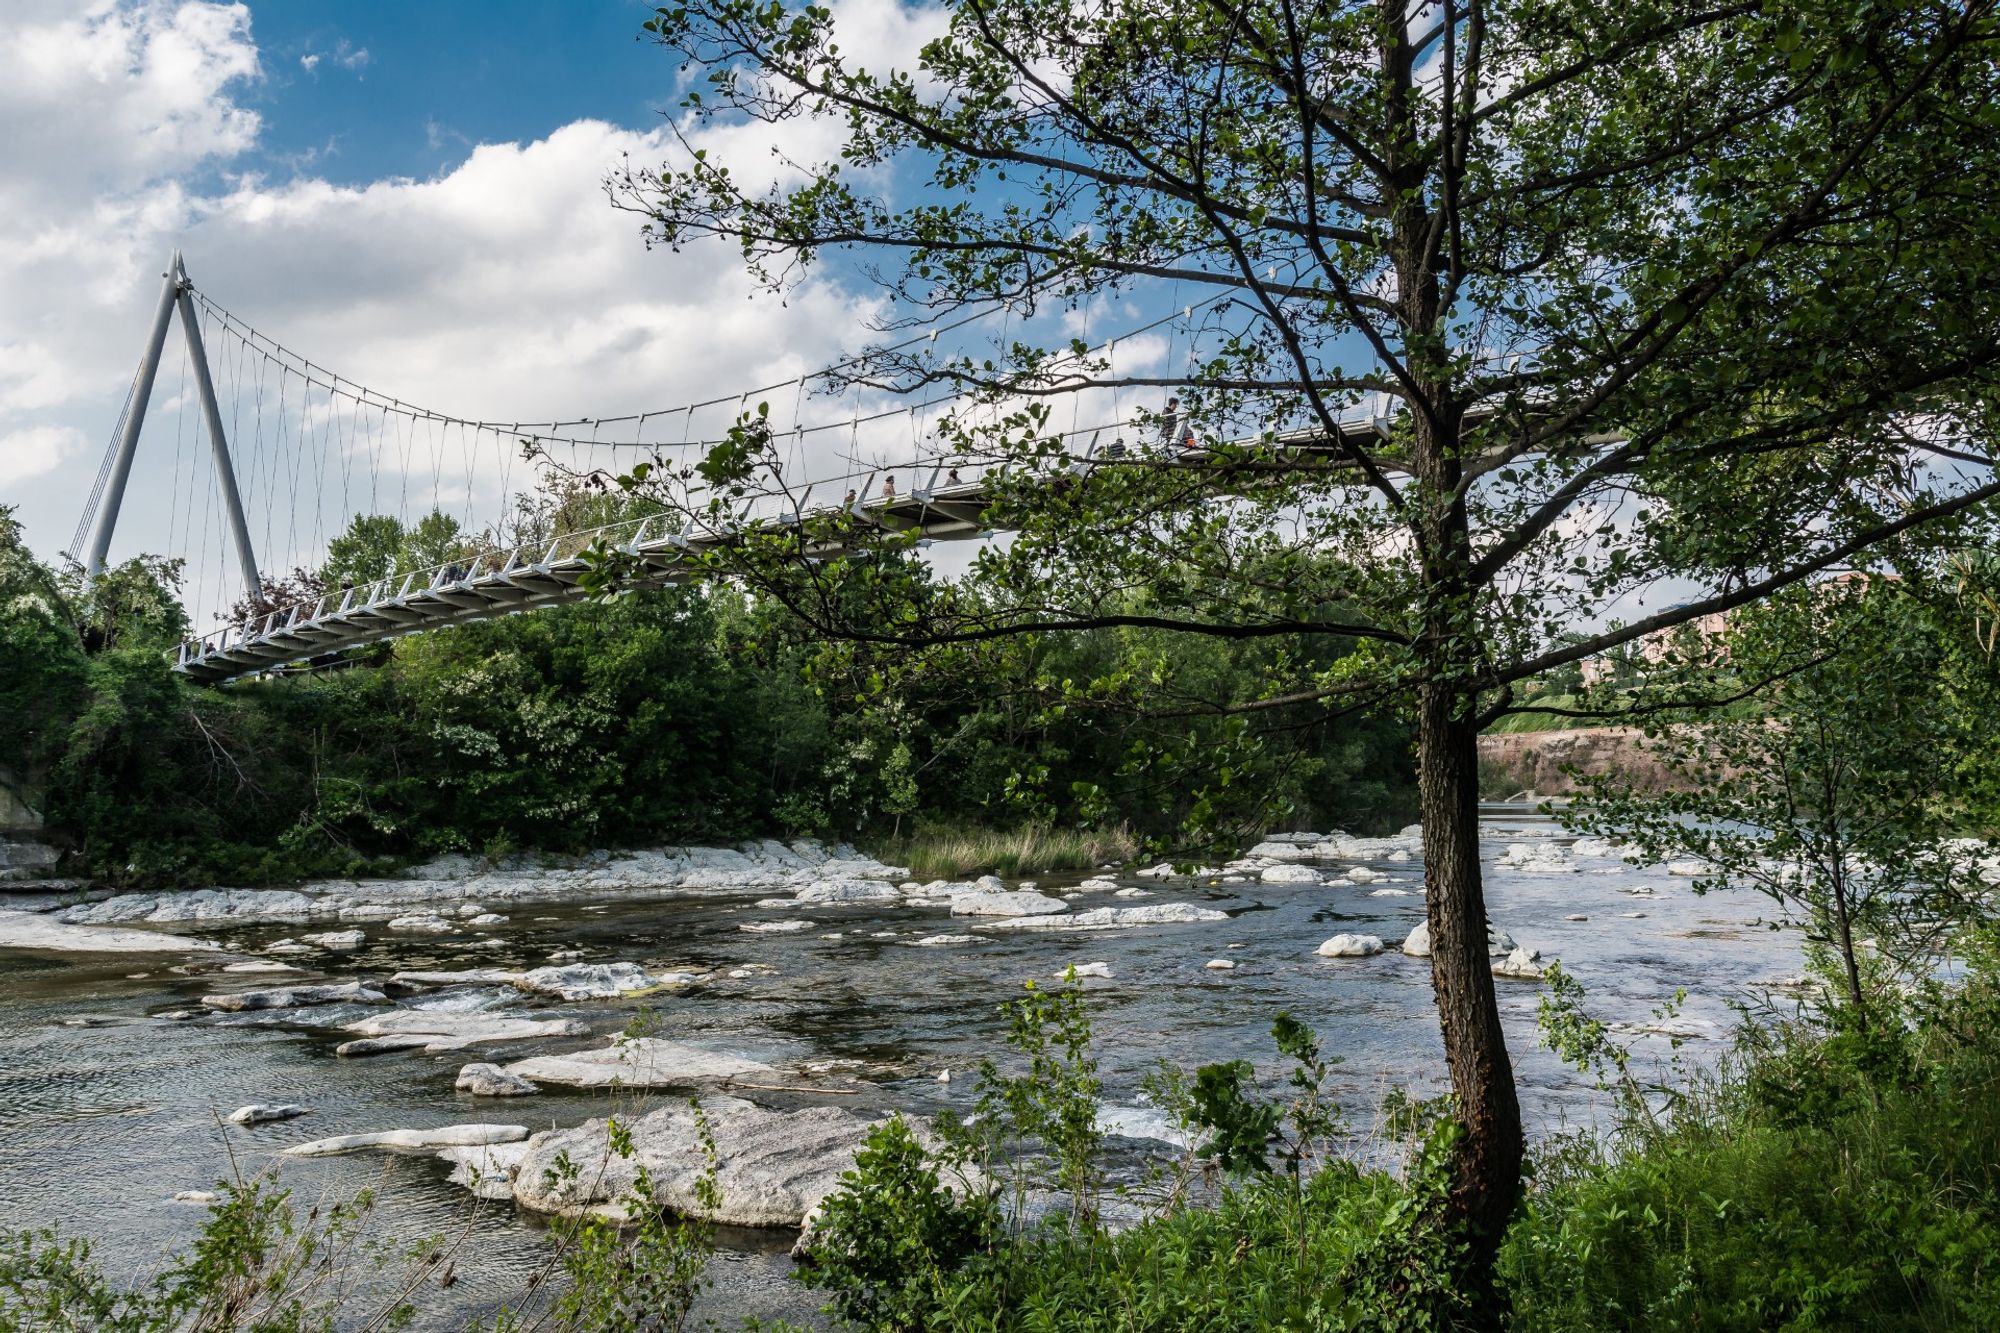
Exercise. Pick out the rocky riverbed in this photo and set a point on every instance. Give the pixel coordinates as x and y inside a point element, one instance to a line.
<point>446,1035</point>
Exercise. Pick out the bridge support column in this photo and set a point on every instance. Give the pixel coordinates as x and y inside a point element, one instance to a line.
<point>135,416</point>
<point>246,559</point>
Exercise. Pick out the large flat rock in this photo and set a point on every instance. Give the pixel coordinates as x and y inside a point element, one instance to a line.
<point>294,997</point>
<point>434,1030</point>
<point>36,930</point>
<point>640,1062</point>
<point>772,1168</point>
<point>412,1140</point>
<point>1113,918</point>
<point>1006,902</point>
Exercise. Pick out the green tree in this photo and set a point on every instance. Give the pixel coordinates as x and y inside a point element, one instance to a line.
<point>364,553</point>
<point>1839,799</point>
<point>432,541</point>
<point>41,685</point>
<point>1648,290</point>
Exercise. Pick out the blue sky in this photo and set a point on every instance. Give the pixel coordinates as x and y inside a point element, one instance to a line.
<point>357,91</point>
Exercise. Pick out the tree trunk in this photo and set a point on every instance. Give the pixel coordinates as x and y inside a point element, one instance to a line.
<point>1486,1170</point>
<point>1844,929</point>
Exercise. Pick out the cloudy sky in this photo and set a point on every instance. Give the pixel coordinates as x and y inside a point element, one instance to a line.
<point>407,193</point>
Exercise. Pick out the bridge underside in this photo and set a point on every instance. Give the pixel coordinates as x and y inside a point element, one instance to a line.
<point>502,582</point>
<point>498,583</point>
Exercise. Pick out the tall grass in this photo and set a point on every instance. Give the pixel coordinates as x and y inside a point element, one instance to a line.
<point>1035,849</point>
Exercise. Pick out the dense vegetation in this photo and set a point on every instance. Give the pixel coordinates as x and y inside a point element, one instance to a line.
<point>687,714</point>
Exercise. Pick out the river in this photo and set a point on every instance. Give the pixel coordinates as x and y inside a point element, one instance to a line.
<point>107,1109</point>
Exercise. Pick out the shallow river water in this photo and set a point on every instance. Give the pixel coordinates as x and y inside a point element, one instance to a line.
<point>106,1110</point>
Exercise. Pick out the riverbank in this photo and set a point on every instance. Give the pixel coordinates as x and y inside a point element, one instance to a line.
<point>1528,765</point>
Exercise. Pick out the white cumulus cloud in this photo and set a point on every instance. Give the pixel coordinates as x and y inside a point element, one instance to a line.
<point>505,289</point>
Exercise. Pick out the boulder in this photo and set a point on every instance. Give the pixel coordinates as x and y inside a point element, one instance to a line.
<point>1363,875</point>
<point>640,1062</point>
<point>486,919</point>
<point>1289,874</point>
<point>772,1167</point>
<point>1100,970</point>
<point>776,927</point>
<point>1133,893</point>
<point>989,902</point>
<point>260,967</point>
<point>945,941</point>
<point>1350,946</point>
<point>261,1113</point>
<point>1219,965</point>
<point>1520,964</point>
<point>1113,918</point>
<point>1576,916</point>
<point>292,997</point>
<point>412,1140</point>
<point>596,981</point>
<point>484,1080</point>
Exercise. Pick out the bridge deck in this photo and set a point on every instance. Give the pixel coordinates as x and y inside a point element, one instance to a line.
<point>503,581</point>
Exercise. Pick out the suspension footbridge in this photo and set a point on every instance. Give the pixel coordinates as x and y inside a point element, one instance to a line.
<point>312,448</point>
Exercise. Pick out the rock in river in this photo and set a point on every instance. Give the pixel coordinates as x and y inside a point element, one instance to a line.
<point>259,1113</point>
<point>836,891</point>
<point>35,930</point>
<point>440,1030</point>
<point>1001,902</point>
<point>291,997</point>
<point>1112,918</point>
<point>772,1167</point>
<point>1521,964</point>
<point>412,1140</point>
<point>596,981</point>
<point>472,976</point>
<point>639,1062</point>
<point>1350,946</point>
<point>483,1080</point>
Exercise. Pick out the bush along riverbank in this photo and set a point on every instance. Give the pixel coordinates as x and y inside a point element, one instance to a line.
<point>1832,1174</point>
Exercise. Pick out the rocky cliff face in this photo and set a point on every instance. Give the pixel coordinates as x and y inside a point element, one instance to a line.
<point>1541,763</point>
